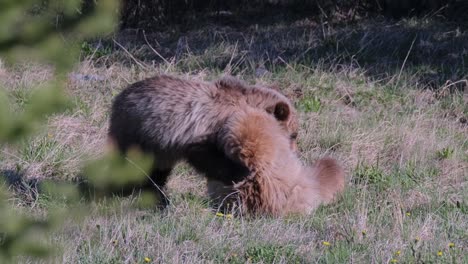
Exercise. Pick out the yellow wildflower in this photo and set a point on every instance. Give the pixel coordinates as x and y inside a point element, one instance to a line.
<point>147,260</point>
<point>408,214</point>
<point>326,243</point>
<point>398,252</point>
<point>451,245</point>
<point>219,214</point>
<point>364,232</point>
<point>439,253</point>
<point>394,260</point>
<point>229,216</point>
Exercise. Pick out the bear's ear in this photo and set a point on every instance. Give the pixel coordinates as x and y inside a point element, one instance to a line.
<point>280,111</point>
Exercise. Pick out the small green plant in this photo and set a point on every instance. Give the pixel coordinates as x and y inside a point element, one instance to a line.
<point>310,104</point>
<point>412,174</point>
<point>272,254</point>
<point>444,153</point>
<point>87,49</point>
<point>371,175</point>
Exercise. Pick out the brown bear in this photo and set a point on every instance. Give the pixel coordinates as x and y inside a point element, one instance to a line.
<point>174,119</point>
<point>278,183</point>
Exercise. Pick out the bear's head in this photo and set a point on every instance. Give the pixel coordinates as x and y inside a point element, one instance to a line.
<point>269,99</point>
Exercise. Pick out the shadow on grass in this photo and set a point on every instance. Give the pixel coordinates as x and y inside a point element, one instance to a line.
<point>29,189</point>
<point>78,189</point>
<point>14,180</point>
<point>431,52</point>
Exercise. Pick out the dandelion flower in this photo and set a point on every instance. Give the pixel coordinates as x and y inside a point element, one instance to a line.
<point>398,252</point>
<point>219,214</point>
<point>147,260</point>
<point>229,216</point>
<point>439,253</point>
<point>408,214</point>
<point>326,243</point>
<point>394,260</point>
<point>451,245</point>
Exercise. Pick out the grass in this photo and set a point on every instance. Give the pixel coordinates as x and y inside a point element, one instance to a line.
<point>395,127</point>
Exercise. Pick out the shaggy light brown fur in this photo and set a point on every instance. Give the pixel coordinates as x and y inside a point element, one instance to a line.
<point>278,183</point>
<point>173,119</point>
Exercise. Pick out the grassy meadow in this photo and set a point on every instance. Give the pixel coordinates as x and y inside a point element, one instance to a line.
<point>388,99</point>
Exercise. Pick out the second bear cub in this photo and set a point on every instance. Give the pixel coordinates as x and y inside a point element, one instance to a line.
<point>277,183</point>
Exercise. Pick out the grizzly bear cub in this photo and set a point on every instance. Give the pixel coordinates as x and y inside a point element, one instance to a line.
<point>277,183</point>
<point>174,119</point>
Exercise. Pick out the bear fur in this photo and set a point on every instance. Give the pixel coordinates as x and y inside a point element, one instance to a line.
<point>176,119</point>
<point>278,183</point>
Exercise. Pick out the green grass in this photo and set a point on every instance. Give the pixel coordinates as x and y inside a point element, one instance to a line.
<point>87,49</point>
<point>403,147</point>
